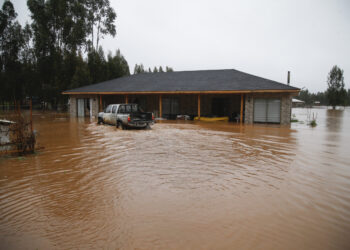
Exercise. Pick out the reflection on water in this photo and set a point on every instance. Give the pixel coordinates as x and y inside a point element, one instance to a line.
<point>180,185</point>
<point>334,120</point>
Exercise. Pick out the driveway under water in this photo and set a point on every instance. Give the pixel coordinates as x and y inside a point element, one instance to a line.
<point>180,185</point>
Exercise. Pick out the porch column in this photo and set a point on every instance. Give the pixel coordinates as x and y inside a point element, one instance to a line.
<point>241,114</point>
<point>126,99</point>
<point>160,106</point>
<point>100,106</point>
<point>199,106</point>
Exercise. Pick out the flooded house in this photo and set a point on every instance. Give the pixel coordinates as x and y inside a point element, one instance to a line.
<point>204,93</point>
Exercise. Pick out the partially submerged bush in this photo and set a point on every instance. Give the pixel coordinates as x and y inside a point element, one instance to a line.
<point>313,123</point>
<point>22,136</point>
<point>311,119</point>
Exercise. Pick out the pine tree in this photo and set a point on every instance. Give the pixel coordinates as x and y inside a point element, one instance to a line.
<point>169,69</point>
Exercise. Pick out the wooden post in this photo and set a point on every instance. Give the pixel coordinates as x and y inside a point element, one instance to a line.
<point>241,114</point>
<point>31,115</point>
<point>199,106</point>
<point>126,99</point>
<point>100,103</point>
<point>160,106</point>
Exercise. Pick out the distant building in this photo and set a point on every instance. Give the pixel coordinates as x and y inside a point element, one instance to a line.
<point>209,93</point>
<point>297,103</point>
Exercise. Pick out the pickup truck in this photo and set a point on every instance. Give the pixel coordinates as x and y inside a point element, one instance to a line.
<point>126,116</point>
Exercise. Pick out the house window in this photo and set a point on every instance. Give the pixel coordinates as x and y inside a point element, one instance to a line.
<point>267,110</point>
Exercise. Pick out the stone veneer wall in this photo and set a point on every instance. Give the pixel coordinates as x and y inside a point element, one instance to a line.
<point>95,106</point>
<point>286,106</point>
<point>72,106</point>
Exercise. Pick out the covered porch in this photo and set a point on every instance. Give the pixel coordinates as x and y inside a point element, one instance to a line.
<point>167,105</point>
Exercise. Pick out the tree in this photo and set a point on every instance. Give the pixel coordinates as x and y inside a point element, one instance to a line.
<point>117,65</point>
<point>97,65</point>
<point>11,44</point>
<point>81,75</point>
<point>139,69</point>
<point>101,19</point>
<point>59,32</point>
<point>161,69</point>
<point>348,98</point>
<point>169,69</point>
<point>336,93</point>
<point>155,70</point>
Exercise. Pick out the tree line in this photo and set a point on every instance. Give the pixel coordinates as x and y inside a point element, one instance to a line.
<point>139,68</point>
<point>58,50</point>
<point>335,95</point>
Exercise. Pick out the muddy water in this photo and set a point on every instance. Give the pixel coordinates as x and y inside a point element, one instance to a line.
<point>180,186</point>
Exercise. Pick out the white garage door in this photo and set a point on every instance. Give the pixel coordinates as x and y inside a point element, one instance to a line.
<point>273,110</point>
<point>260,107</point>
<point>267,110</point>
<point>81,111</point>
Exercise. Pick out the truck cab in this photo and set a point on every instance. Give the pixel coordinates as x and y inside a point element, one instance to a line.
<point>126,115</point>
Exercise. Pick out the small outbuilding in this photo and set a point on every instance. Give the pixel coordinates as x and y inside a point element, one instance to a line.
<point>297,103</point>
<point>204,93</point>
<point>5,135</point>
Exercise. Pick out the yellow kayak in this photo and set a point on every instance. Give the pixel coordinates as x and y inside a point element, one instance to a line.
<point>212,119</point>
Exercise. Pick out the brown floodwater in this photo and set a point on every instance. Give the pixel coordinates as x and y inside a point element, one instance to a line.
<point>180,185</point>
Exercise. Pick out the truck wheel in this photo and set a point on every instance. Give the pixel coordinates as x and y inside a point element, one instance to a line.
<point>118,124</point>
<point>123,127</point>
<point>99,121</point>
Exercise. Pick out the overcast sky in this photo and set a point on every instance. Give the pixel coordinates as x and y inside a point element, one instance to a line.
<point>261,37</point>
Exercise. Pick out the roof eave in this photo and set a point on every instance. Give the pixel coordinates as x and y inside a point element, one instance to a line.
<point>182,92</point>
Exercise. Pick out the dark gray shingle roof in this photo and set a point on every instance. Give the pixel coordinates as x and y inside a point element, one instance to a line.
<point>202,80</point>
